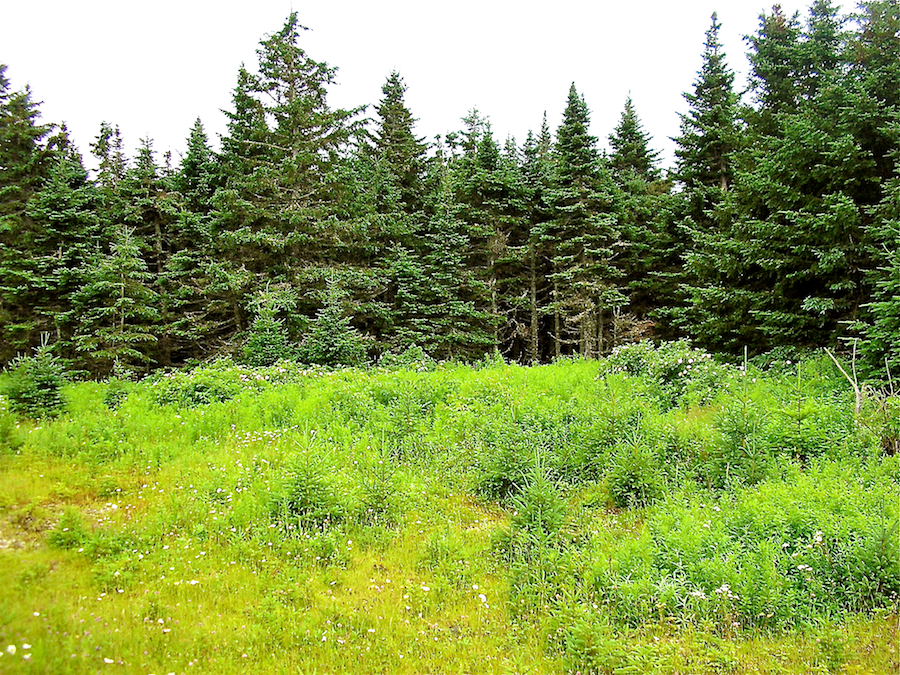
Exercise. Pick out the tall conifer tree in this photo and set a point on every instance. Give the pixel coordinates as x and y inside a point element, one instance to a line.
<point>582,237</point>
<point>24,158</point>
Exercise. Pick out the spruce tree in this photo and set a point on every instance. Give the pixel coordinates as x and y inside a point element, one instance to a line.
<point>631,152</point>
<point>195,319</point>
<point>452,323</point>
<point>792,267</point>
<point>116,307</point>
<point>704,171</point>
<point>582,237</point>
<point>537,172</point>
<point>397,147</point>
<point>396,166</point>
<point>709,130</point>
<point>649,252</point>
<point>881,329</point>
<point>24,159</point>
<point>488,192</point>
<point>66,211</point>
<point>279,211</point>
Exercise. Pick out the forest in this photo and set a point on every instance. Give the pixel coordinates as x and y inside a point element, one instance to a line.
<point>326,236</point>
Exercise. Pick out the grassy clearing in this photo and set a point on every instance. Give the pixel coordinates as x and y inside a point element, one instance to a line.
<point>656,513</point>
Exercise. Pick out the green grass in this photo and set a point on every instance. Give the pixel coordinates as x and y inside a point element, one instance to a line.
<point>629,516</point>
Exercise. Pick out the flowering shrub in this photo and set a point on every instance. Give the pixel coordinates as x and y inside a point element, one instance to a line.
<point>413,358</point>
<point>681,372</point>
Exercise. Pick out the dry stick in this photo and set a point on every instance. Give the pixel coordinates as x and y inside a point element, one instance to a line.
<point>852,380</point>
<point>890,381</point>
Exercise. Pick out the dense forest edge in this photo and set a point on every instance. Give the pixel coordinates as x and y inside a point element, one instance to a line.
<point>326,237</point>
<point>655,511</point>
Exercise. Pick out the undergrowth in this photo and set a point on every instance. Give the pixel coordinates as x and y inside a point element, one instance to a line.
<point>657,512</point>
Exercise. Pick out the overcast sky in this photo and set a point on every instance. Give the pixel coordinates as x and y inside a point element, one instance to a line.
<point>154,67</point>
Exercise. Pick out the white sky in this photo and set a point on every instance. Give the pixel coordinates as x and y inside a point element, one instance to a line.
<point>154,67</point>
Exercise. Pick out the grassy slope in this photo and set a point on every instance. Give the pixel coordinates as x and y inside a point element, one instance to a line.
<point>145,540</point>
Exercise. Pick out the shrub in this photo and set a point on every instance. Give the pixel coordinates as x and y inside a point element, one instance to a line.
<point>33,384</point>
<point>680,372</point>
<point>634,479</point>
<point>206,384</point>
<point>308,497</point>
<point>268,341</point>
<point>413,358</point>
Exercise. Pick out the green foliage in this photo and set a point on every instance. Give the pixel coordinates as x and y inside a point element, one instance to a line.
<point>217,381</point>
<point>634,477</point>
<point>412,358</point>
<point>309,497</point>
<point>682,373</point>
<point>343,496</point>
<point>267,343</point>
<point>539,510</point>
<point>33,384</point>
<point>70,533</point>
<point>332,340</point>
<point>381,489</point>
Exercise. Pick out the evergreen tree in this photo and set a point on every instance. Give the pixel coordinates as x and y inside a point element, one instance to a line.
<point>777,62</point>
<point>65,211</point>
<point>709,130</point>
<point>582,237</point>
<point>631,153</point>
<point>537,174</point>
<point>705,171</point>
<point>449,321</point>
<point>874,63</point>
<point>195,319</point>
<point>649,246</point>
<point>23,168</point>
<point>116,308</point>
<point>488,191</point>
<point>196,179</point>
<point>397,171</point>
<point>278,214</point>
<point>792,269</point>
<point>108,148</point>
<point>332,340</point>
<point>881,346</point>
<point>397,147</point>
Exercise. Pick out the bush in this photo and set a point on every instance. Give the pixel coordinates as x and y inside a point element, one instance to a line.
<point>33,384</point>
<point>268,341</point>
<point>634,479</point>
<point>413,358</point>
<point>308,498</point>
<point>680,372</point>
<point>207,384</point>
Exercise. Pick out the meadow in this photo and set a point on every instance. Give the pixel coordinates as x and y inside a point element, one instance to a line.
<point>658,511</point>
